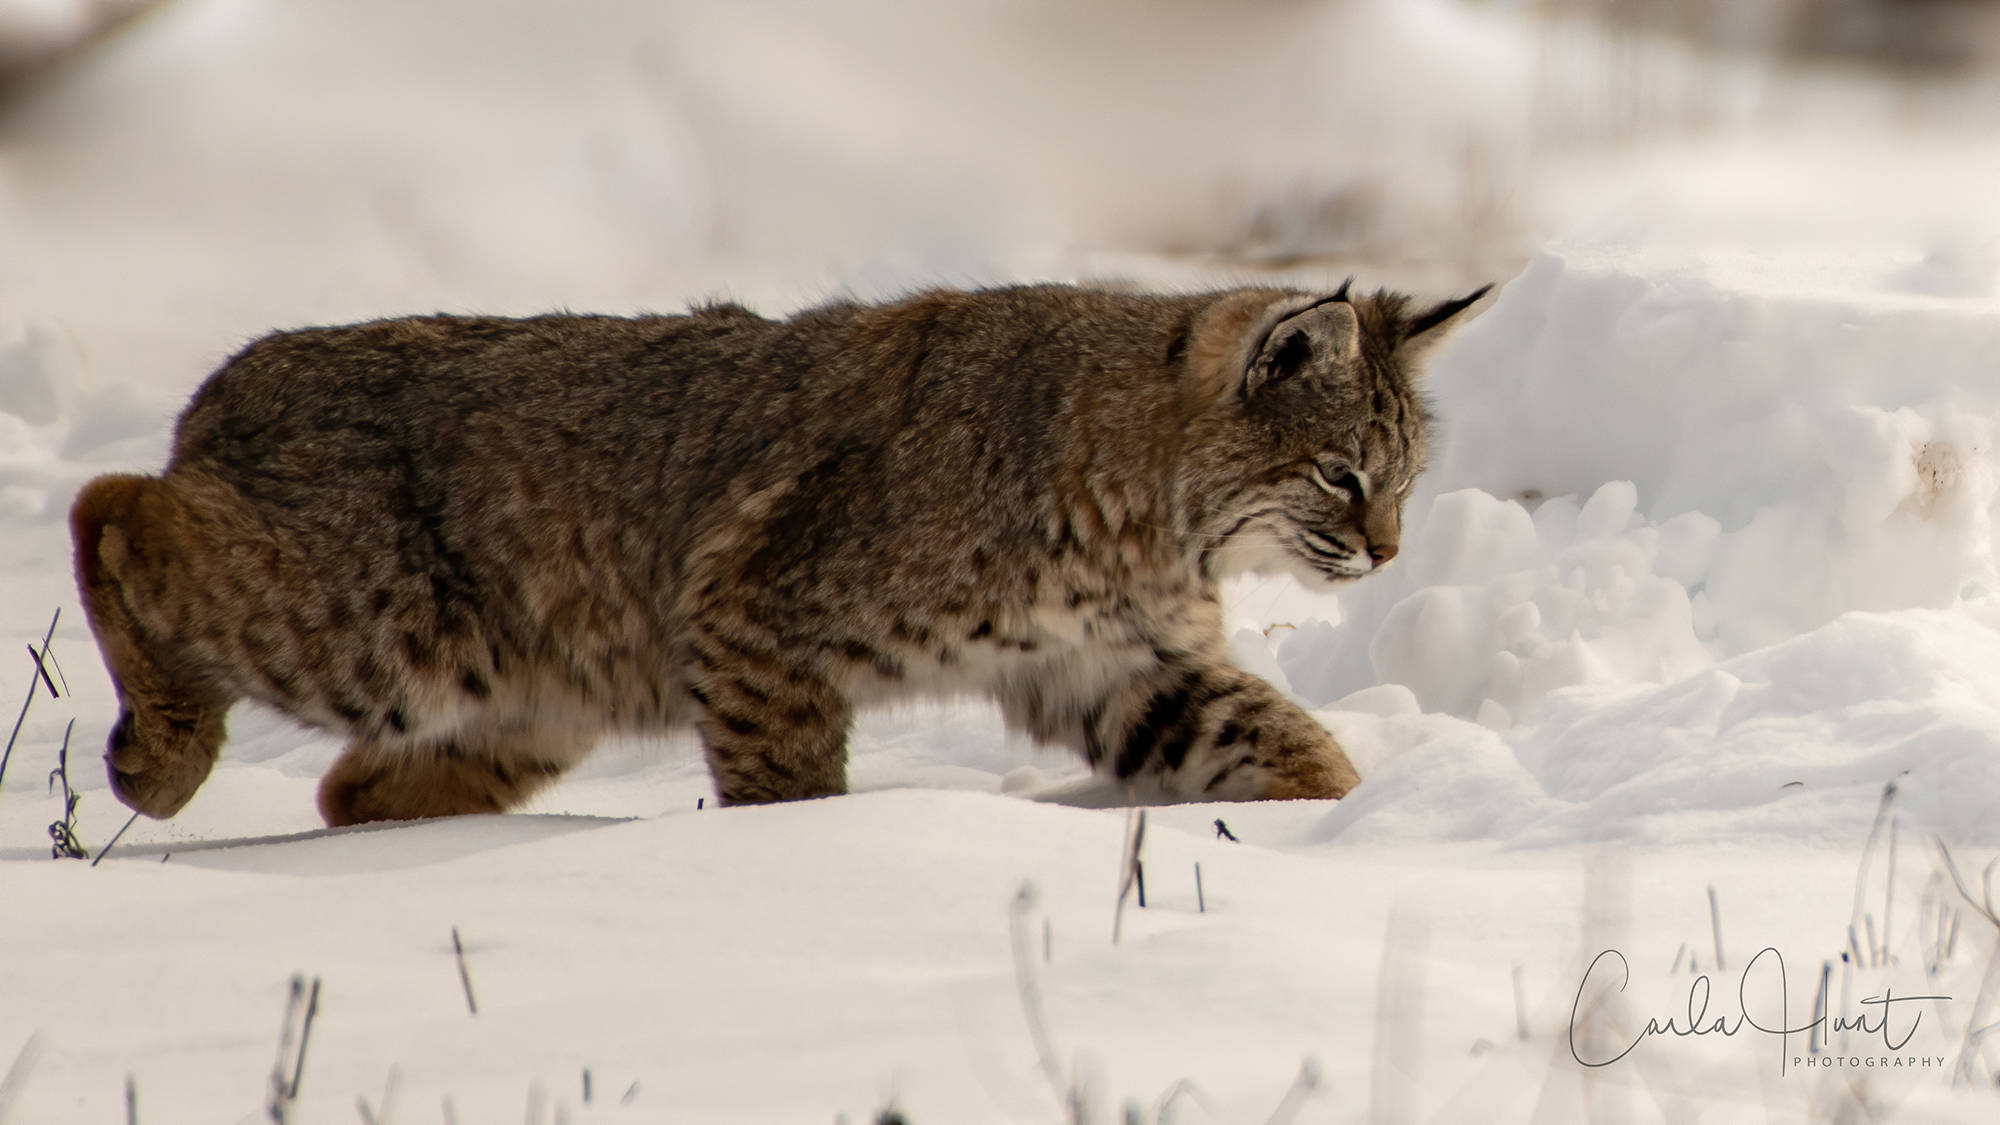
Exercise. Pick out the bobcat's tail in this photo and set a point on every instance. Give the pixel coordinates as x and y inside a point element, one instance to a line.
<point>103,511</point>
<point>133,541</point>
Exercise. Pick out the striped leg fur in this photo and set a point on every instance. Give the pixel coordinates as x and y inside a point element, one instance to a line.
<point>492,773</point>
<point>1200,729</point>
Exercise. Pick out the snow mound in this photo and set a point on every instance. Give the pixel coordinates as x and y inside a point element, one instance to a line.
<point>1844,443</point>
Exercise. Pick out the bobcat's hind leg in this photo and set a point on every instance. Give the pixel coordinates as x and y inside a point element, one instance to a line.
<point>482,772</point>
<point>133,541</point>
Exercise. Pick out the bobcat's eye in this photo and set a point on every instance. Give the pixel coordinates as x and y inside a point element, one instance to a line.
<point>1337,480</point>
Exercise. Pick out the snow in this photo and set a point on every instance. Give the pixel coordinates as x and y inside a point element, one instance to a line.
<point>1704,562</point>
<point>811,960</point>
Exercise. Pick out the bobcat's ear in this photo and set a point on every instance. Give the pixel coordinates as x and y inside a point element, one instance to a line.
<point>1325,334</point>
<point>1425,330</point>
<point>1254,339</point>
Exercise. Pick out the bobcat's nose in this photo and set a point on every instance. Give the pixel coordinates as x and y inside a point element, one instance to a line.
<point>1382,554</point>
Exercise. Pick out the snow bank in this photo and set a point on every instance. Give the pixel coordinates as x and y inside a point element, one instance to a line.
<point>1844,445</point>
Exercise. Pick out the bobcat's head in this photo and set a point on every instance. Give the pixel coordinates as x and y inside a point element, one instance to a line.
<point>1309,429</point>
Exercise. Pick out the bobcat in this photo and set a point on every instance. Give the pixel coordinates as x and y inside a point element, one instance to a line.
<point>475,545</point>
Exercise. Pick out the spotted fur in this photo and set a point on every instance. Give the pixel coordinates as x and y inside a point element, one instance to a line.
<point>475,545</point>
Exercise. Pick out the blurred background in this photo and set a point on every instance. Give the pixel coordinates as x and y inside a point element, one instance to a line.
<point>177,176</point>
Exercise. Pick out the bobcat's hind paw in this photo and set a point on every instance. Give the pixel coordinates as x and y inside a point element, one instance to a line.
<point>156,767</point>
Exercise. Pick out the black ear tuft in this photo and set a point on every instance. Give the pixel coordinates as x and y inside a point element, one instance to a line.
<point>1430,320</point>
<point>1340,294</point>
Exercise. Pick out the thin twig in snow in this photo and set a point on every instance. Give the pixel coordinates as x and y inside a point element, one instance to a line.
<point>1861,872</point>
<point>1296,1095</point>
<point>464,974</point>
<point>49,659</point>
<point>1847,968</point>
<point>1128,873</point>
<point>115,837</point>
<point>62,833</point>
<point>1715,927</point>
<point>279,1096</point>
<point>1972,1041</point>
<point>1817,1041</point>
<point>284,1091</point>
<point>43,669</point>
<point>17,1073</point>
<point>1989,985</point>
<point>381,1117</point>
<point>1185,1088</point>
<point>1985,908</point>
<point>305,1038</point>
<point>1031,998</point>
<point>1399,991</point>
<point>1520,1008</point>
<point>33,683</point>
<point>1889,889</point>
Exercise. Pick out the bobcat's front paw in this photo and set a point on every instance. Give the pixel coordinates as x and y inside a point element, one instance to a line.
<point>1321,775</point>
<point>156,764</point>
